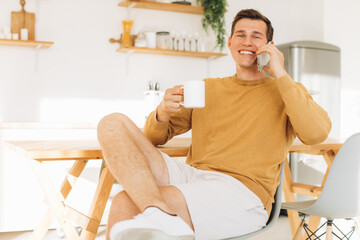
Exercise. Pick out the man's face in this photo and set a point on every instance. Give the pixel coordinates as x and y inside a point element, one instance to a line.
<point>249,35</point>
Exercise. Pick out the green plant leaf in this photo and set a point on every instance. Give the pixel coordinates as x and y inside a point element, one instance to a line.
<point>214,17</point>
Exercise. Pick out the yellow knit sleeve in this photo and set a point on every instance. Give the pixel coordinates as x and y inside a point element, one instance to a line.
<point>310,122</point>
<point>159,133</point>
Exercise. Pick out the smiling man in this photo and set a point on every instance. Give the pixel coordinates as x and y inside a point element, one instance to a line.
<point>239,139</point>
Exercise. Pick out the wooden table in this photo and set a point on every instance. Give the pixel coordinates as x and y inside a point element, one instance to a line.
<point>81,151</point>
<point>84,150</point>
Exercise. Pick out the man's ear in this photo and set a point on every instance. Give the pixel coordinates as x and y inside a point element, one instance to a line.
<point>229,42</point>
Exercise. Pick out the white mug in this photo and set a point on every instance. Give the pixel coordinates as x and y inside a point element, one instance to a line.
<point>150,39</point>
<point>194,94</point>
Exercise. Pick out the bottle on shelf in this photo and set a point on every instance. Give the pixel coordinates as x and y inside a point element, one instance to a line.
<point>127,24</point>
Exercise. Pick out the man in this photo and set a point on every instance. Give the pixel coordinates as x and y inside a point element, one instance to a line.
<point>239,139</point>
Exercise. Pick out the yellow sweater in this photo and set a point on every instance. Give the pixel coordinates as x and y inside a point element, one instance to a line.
<point>246,129</point>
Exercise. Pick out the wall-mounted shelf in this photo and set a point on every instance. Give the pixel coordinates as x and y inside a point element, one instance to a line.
<point>173,7</point>
<point>212,55</point>
<point>22,43</point>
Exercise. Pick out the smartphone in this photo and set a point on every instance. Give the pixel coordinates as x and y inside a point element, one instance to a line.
<point>263,59</point>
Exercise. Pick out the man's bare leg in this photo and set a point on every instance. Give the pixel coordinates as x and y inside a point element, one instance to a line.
<point>123,208</point>
<point>140,168</point>
<point>134,162</point>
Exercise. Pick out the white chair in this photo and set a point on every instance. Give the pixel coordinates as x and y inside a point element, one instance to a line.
<point>340,197</point>
<point>274,215</point>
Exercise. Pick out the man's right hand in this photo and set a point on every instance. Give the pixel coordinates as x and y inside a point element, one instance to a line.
<point>170,103</point>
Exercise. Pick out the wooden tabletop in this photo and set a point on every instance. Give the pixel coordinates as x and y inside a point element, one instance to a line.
<point>90,149</point>
<point>333,144</point>
<point>82,149</point>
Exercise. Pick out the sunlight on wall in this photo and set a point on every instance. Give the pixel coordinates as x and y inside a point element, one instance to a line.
<point>350,112</point>
<point>89,110</point>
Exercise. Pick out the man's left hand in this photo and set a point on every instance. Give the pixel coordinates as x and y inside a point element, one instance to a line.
<point>276,68</point>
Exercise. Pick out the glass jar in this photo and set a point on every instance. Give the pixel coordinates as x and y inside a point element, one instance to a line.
<point>163,40</point>
<point>140,40</point>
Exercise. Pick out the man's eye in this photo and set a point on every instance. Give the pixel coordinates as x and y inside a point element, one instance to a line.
<point>240,35</point>
<point>256,37</point>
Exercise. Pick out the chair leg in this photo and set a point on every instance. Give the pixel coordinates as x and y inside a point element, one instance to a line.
<point>357,224</point>
<point>329,233</point>
<point>298,235</point>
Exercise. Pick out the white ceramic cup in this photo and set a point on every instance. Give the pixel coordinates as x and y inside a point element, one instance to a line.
<point>150,39</point>
<point>24,34</point>
<point>194,94</point>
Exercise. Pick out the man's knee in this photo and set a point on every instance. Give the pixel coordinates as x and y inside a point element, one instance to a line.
<point>123,205</point>
<point>121,199</point>
<point>111,123</point>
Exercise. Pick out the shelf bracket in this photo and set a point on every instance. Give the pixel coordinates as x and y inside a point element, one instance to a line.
<point>127,55</point>
<point>36,62</point>
<point>130,52</point>
<point>128,9</point>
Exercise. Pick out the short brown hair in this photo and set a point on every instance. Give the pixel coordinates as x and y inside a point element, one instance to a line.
<point>255,15</point>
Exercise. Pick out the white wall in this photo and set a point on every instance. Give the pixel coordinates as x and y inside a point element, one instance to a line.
<point>82,77</point>
<point>341,27</point>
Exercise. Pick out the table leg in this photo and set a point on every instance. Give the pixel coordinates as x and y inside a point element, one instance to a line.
<point>314,223</point>
<point>43,227</point>
<point>329,159</point>
<point>98,203</point>
<point>72,176</point>
<point>357,225</point>
<point>54,198</point>
<point>66,187</point>
<point>290,197</point>
<point>297,235</point>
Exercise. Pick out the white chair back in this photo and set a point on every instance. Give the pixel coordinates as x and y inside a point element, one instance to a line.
<point>340,197</point>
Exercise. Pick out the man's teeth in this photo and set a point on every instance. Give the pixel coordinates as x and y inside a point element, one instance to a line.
<point>246,52</point>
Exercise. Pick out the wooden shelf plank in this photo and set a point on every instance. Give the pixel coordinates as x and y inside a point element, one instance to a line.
<point>172,7</point>
<point>171,52</point>
<point>22,43</point>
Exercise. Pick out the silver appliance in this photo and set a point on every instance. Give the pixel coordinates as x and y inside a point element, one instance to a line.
<point>316,65</point>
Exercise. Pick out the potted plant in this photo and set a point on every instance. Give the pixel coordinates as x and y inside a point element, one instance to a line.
<point>213,17</point>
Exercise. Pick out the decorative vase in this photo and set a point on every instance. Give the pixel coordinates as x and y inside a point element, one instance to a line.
<point>127,24</point>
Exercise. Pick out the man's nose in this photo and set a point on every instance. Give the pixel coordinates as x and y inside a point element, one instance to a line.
<point>247,41</point>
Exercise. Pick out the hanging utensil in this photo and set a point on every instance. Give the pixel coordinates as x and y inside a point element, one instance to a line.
<point>150,86</point>
<point>157,86</point>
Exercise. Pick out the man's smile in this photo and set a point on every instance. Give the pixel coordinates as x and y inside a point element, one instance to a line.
<point>246,52</point>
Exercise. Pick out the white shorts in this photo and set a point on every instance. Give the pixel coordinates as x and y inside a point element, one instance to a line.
<point>220,206</point>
